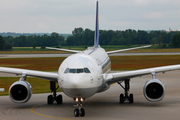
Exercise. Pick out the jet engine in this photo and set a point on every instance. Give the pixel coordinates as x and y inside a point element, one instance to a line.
<point>20,91</point>
<point>154,90</point>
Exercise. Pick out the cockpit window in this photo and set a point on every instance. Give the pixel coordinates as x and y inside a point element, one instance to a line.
<point>72,71</point>
<point>86,70</point>
<point>80,70</point>
<point>67,70</point>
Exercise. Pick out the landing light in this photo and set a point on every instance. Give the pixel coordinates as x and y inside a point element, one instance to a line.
<point>79,99</point>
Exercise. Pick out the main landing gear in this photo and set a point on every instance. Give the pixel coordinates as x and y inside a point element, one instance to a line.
<point>54,97</point>
<point>126,96</point>
<point>79,111</point>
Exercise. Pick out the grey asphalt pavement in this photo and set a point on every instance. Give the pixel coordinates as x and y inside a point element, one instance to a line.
<point>102,106</point>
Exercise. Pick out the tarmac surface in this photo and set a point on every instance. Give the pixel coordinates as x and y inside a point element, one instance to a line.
<point>102,106</point>
<point>66,55</point>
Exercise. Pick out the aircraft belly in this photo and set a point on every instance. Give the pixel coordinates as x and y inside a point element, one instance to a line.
<point>80,92</point>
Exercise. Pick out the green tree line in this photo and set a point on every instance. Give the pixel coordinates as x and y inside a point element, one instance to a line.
<point>127,37</point>
<point>4,45</point>
<point>85,37</point>
<point>38,40</point>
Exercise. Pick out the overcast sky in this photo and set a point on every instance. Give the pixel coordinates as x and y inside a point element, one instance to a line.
<point>62,16</point>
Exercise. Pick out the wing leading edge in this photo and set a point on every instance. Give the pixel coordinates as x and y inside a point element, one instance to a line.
<point>115,77</point>
<point>33,73</point>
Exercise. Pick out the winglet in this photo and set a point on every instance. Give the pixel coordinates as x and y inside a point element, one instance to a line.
<point>96,35</point>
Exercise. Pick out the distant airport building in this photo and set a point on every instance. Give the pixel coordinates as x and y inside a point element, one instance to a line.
<point>172,30</point>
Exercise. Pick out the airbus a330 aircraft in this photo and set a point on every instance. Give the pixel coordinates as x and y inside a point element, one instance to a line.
<point>86,73</point>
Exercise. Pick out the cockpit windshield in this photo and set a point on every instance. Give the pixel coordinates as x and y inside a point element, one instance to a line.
<point>72,70</point>
<point>86,70</point>
<point>79,70</point>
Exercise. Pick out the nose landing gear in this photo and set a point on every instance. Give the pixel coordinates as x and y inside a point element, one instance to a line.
<point>79,111</point>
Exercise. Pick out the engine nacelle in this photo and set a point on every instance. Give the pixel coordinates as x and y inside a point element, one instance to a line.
<point>20,91</point>
<point>154,90</point>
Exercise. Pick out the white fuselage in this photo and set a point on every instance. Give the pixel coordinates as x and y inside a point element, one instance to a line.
<point>80,75</point>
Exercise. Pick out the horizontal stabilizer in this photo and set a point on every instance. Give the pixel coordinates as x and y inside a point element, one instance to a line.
<point>111,52</point>
<point>67,50</point>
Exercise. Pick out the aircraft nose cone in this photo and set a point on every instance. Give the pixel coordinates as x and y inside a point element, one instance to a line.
<point>75,81</point>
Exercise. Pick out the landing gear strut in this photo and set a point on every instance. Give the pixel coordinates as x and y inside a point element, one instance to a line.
<point>79,111</point>
<point>54,97</point>
<point>126,96</point>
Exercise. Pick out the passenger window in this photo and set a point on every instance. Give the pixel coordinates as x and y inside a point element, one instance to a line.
<point>86,70</point>
<point>72,71</point>
<point>67,70</point>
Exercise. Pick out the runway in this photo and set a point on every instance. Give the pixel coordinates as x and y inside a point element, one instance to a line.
<point>102,106</point>
<point>66,55</point>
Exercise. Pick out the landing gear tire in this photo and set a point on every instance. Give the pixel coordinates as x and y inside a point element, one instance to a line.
<point>82,112</point>
<point>131,98</point>
<point>59,99</point>
<point>126,96</point>
<point>76,112</point>
<point>121,98</point>
<point>54,97</point>
<point>50,100</point>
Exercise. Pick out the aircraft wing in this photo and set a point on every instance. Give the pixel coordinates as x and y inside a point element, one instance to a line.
<point>44,75</point>
<point>115,77</point>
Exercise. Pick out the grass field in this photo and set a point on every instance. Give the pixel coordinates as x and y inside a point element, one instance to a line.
<point>118,62</point>
<point>42,64</point>
<point>141,62</point>
<point>52,64</point>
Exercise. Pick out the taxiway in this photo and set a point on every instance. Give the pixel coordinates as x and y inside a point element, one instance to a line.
<point>102,106</point>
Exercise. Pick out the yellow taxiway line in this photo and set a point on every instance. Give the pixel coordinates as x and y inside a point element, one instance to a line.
<point>46,115</point>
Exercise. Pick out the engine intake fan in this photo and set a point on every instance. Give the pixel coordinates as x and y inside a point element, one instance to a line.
<point>20,91</point>
<point>154,90</point>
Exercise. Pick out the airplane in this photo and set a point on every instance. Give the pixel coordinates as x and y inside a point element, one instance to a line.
<point>86,73</point>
